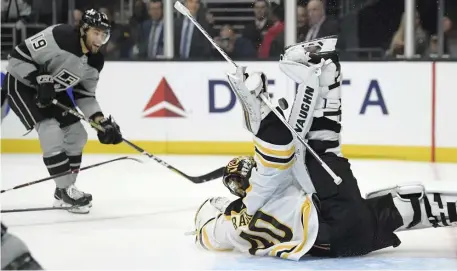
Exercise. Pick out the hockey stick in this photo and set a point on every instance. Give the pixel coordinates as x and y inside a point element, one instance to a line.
<point>35,209</point>
<point>70,172</point>
<point>197,179</point>
<point>184,11</point>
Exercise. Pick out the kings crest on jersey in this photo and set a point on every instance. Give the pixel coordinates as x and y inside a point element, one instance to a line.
<point>58,50</point>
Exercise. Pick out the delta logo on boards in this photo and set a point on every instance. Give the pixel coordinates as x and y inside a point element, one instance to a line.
<point>164,103</point>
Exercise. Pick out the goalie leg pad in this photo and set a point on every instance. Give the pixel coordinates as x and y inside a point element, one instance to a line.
<point>209,225</point>
<point>421,207</point>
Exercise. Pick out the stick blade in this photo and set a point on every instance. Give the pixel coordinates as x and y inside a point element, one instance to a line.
<point>181,8</point>
<point>215,174</point>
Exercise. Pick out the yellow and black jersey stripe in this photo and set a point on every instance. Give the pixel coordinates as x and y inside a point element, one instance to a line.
<point>273,144</point>
<point>278,157</point>
<point>284,250</point>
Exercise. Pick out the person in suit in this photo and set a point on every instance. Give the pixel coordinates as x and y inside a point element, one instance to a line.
<point>275,31</point>
<point>255,30</point>
<point>236,47</point>
<point>189,42</point>
<point>319,24</point>
<point>278,44</point>
<point>150,32</point>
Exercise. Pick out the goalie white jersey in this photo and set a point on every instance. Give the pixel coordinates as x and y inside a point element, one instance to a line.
<point>286,227</point>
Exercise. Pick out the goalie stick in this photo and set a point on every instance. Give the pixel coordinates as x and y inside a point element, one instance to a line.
<point>184,11</point>
<point>195,179</point>
<point>70,172</point>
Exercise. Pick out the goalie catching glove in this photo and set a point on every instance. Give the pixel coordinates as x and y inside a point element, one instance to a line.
<point>248,88</point>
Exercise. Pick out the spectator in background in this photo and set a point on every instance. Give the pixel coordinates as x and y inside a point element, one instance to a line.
<point>273,32</point>
<point>115,48</point>
<point>447,29</point>
<point>302,23</point>
<point>17,11</point>
<point>210,19</point>
<point>77,16</point>
<point>235,47</point>
<point>397,46</point>
<point>150,39</point>
<point>278,44</point>
<point>140,14</point>
<point>319,24</point>
<point>188,41</point>
<point>254,31</point>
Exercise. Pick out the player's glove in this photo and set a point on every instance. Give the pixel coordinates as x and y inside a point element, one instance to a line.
<point>46,92</point>
<point>112,133</point>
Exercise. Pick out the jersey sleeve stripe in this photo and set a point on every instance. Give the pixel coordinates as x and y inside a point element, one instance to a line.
<point>258,158</point>
<point>274,159</point>
<point>23,54</point>
<point>283,151</point>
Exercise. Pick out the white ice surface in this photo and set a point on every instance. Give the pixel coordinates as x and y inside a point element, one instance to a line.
<point>141,212</point>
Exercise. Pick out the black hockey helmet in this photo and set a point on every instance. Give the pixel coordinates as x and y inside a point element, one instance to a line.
<point>96,19</point>
<point>237,174</point>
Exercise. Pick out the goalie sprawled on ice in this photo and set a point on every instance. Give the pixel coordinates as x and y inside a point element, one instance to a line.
<point>288,205</point>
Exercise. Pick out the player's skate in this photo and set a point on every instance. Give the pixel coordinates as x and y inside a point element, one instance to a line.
<point>87,195</point>
<point>72,197</point>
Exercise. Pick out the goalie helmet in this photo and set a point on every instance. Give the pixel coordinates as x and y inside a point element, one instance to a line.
<point>237,174</point>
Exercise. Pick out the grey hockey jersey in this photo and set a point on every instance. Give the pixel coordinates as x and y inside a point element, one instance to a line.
<point>58,50</point>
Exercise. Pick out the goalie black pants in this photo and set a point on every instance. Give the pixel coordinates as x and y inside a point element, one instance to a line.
<point>350,224</point>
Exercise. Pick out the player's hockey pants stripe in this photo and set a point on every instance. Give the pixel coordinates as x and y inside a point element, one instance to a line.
<point>451,206</point>
<point>57,164</point>
<point>320,146</point>
<point>274,159</point>
<point>324,123</point>
<point>75,161</point>
<point>18,103</point>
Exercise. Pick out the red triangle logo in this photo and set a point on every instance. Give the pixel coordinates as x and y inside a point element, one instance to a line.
<point>163,93</point>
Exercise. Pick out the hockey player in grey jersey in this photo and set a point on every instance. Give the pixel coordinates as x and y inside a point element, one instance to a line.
<point>15,253</point>
<point>41,69</point>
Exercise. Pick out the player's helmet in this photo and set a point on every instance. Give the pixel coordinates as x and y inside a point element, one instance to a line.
<point>96,19</point>
<point>237,174</point>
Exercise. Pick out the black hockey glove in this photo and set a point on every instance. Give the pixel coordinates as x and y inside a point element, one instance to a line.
<point>112,134</point>
<point>46,92</point>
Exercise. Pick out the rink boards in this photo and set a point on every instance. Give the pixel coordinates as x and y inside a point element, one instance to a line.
<point>391,110</point>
